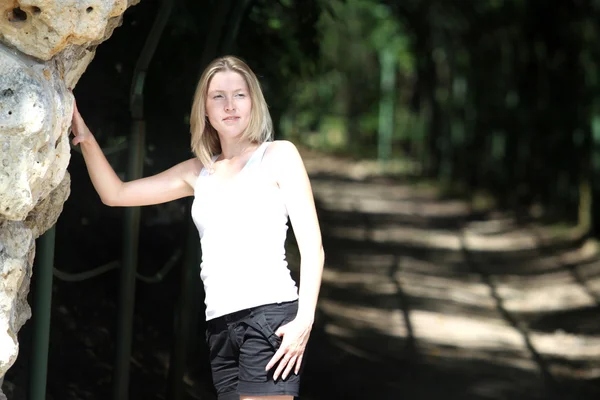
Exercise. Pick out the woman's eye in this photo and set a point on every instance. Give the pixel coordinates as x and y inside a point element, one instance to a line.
<point>241,95</point>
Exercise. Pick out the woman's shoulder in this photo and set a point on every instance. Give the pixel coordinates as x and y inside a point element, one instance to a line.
<point>191,166</point>
<point>281,149</point>
<point>282,157</point>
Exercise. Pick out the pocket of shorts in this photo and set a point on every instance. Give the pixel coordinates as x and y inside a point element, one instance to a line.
<point>263,326</point>
<point>276,319</point>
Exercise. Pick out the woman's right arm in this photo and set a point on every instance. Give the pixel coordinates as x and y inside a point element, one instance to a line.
<point>172,184</point>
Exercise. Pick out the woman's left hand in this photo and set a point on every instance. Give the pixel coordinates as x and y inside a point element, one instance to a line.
<point>294,336</point>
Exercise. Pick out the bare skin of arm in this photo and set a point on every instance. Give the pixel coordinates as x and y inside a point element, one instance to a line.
<point>174,183</point>
<point>292,178</point>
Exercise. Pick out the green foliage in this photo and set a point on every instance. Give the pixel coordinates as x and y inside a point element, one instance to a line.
<point>345,87</point>
<point>489,95</point>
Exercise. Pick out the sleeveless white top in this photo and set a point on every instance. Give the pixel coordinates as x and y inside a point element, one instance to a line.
<point>243,226</point>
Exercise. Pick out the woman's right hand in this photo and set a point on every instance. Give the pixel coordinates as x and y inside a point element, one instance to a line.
<point>78,127</point>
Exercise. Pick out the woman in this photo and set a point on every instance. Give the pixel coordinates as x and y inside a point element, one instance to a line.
<point>245,186</point>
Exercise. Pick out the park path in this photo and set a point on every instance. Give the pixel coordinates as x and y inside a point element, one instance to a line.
<point>428,298</point>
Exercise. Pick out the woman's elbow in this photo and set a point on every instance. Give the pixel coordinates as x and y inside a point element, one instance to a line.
<point>111,197</point>
<point>109,201</point>
<point>314,253</point>
<point>319,255</point>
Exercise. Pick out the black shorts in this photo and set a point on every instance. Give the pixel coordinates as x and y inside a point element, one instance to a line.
<point>241,344</point>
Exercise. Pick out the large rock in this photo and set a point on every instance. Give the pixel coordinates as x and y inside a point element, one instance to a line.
<point>45,47</point>
<point>43,28</point>
<point>35,110</point>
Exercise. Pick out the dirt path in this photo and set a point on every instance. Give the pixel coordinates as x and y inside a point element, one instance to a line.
<point>423,298</point>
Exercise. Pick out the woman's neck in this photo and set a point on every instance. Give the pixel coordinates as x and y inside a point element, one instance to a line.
<point>235,148</point>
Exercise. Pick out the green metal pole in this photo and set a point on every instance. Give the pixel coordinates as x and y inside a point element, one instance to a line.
<point>128,269</point>
<point>184,314</point>
<point>132,214</point>
<point>42,302</point>
<point>386,105</point>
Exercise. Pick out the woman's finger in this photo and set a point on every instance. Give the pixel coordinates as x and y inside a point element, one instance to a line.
<point>289,367</point>
<point>282,364</point>
<point>275,358</point>
<point>299,363</point>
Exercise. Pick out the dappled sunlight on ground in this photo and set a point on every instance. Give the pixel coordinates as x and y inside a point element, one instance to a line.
<point>425,298</point>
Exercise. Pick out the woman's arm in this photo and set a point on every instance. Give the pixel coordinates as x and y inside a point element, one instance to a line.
<point>171,184</point>
<point>294,183</point>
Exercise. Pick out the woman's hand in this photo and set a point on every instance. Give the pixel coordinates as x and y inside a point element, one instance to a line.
<point>289,355</point>
<point>78,127</point>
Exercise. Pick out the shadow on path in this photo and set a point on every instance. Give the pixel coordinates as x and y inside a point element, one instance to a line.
<point>424,299</point>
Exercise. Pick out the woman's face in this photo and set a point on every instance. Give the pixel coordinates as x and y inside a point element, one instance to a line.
<point>228,104</point>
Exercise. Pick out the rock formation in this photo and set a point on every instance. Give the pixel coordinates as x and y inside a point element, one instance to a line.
<point>45,46</point>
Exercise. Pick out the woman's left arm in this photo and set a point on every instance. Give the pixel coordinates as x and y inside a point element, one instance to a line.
<point>294,183</point>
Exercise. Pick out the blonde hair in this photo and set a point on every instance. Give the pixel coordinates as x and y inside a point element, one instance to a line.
<point>205,139</point>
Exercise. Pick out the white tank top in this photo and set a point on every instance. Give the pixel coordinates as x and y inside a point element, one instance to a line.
<point>243,226</point>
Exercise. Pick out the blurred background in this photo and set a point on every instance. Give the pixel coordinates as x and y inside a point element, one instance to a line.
<point>453,148</point>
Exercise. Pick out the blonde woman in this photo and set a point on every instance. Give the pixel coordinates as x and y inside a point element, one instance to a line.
<point>245,186</point>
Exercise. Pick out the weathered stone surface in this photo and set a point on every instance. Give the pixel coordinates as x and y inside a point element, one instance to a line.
<point>45,47</point>
<point>16,258</point>
<point>35,110</point>
<point>46,212</point>
<point>17,243</point>
<point>43,28</point>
